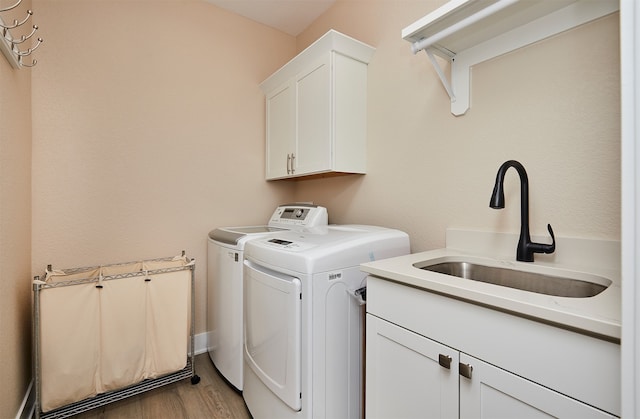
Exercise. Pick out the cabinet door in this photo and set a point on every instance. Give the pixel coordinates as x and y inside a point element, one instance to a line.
<point>492,392</point>
<point>280,131</point>
<point>404,377</point>
<point>314,128</point>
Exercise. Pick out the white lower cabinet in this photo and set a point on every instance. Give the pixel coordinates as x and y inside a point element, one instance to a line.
<point>429,356</point>
<point>411,376</point>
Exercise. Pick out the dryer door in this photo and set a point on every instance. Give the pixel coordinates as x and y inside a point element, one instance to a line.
<point>273,330</point>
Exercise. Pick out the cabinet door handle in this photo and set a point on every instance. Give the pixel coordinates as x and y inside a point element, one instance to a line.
<point>465,370</point>
<point>293,158</point>
<point>288,164</point>
<point>444,361</point>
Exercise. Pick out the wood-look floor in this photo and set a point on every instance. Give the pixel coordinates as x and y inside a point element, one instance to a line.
<point>211,398</point>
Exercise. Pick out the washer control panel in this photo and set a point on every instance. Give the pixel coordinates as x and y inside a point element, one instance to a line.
<point>299,215</point>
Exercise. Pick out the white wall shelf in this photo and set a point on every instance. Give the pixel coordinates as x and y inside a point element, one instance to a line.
<point>468,32</point>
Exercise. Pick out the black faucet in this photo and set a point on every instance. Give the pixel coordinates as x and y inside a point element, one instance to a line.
<point>526,248</point>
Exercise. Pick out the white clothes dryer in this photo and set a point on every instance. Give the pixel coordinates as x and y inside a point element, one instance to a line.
<point>303,325</point>
<point>225,248</point>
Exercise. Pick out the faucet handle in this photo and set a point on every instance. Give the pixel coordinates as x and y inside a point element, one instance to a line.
<point>542,247</point>
<point>550,248</point>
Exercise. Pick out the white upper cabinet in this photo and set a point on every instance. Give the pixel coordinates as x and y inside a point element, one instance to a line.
<point>316,110</point>
<point>468,32</point>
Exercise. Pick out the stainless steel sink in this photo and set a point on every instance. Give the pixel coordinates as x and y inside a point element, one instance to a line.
<point>558,286</point>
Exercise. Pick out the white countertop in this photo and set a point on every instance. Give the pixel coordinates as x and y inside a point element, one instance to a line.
<point>598,315</point>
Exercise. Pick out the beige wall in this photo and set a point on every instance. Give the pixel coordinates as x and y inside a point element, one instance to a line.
<point>553,106</point>
<point>15,234</point>
<point>148,131</point>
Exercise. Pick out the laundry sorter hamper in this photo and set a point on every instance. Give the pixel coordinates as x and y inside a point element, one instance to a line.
<point>105,333</point>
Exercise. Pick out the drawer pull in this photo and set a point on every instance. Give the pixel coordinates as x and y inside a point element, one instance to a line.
<point>465,370</point>
<point>444,361</point>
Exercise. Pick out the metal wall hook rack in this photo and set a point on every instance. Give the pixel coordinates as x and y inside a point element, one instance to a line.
<point>10,45</point>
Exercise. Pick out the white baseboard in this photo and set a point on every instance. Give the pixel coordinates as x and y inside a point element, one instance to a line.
<point>28,404</point>
<point>202,343</point>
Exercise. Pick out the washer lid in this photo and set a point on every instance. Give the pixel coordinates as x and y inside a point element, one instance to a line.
<point>231,235</point>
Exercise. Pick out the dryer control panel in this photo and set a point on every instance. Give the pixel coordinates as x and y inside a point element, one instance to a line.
<point>299,216</point>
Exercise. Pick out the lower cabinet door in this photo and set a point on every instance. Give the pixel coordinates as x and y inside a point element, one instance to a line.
<point>492,392</point>
<point>408,375</point>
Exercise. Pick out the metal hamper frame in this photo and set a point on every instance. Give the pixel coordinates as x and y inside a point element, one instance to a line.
<point>112,396</point>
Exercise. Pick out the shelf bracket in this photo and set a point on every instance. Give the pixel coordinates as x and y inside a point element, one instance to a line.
<point>443,77</point>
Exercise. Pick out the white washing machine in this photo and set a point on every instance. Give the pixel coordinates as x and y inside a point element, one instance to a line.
<point>303,324</point>
<point>225,248</point>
